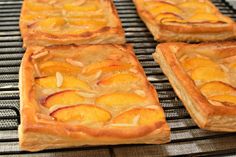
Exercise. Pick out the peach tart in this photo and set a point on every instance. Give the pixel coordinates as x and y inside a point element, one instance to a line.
<point>63,22</point>
<point>87,95</point>
<point>203,76</point>
<point>185,20</point>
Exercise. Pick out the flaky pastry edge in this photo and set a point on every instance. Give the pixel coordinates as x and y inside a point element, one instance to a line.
<point>38,133</point>
<point>187,32</point>
<point>206,115</point>
<point>104,35</point>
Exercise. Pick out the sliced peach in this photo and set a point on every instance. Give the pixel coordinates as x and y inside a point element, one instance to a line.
<point>38,6</point>
<point>51,67</point>
<point>120,99</point>
<point>119,79</point>
<point>233,66</point>
<point>32,17</point>
<point>232,74</point>
<point>189,52</point>
<point>68,82</point>
<point>157,3</point>
<point>52,22</point>
<point>224,99</point>
<point>67,97</point>
<point>73,31</point>
<point>203,17</point>
<point>46,82</point>
<point>86,16</point>
<point>86,7</point>
<point>139,116</point>
<point>169,17</point>
<point>216,88</point>
<point>172,20</point>
<point>106,66</point>
<point>192,63</point>
<point>164,8</point>
<point>82,113</point>
<point>207,74</point>
<point>161,16</point>
<point>88,22</point>
<point>151,3</point>
<point>196,6</point>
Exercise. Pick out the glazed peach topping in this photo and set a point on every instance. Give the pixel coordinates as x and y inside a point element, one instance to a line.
<point>67,16</point>
<point>183,11</point>
<point>95,85</point>
<point>213,72</point>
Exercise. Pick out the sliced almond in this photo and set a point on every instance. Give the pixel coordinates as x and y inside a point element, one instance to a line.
<point>183,57</point>
<point>98,74</point>
<point>152,106</point>
<point>120,47</point>
<point>63,12</point>
<point>122,125</point>
<point>74,62</point>
<point>44,117</point>
<point>47,91</point>
<point>59,79</point>
<point>80,2</point>
<point>136,120</point>
<point>52,2</point>
<point>140,93</point>
<point>114,56</point>
<point>39,55</point>
<point>37,70</point>
<point>198,82</point>
<point>226,69</point>
<point>38,49</point>
<point>86,94</point>
<point>133,70</point>
<point>56,107</point>
<point>216,103</point>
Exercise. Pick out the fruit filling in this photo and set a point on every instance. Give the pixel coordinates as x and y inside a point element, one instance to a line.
<point>188,11</point>
<point>213,75</point>
<point>93,85</point>
<point>70,17</point>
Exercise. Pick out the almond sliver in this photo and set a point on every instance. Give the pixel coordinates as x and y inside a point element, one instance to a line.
<point>37,70</point>
<point>74,62</point>
<point>59,79</point>
<point>39,55</point>
<point>122,125</point>
<point>136,120</point>
<point>85,94</point>
<point>140,93</point>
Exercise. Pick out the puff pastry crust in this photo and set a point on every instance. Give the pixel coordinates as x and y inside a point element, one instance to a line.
<point>203,77</point>
<point>185,20</point>
<point>63,22</point>
<point>87,95</point>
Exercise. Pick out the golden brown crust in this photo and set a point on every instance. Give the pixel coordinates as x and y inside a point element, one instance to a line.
<point>33,35</point>
<point>38,130</point>
<point>187,31</point>
<point>203,112</point>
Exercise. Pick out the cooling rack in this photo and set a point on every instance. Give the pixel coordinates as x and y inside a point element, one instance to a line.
<point>187,138</point>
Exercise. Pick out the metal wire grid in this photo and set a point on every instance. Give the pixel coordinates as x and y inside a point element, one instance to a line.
<point>185,133</point>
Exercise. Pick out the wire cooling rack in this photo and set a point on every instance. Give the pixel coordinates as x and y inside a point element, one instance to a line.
<point>187,138</point>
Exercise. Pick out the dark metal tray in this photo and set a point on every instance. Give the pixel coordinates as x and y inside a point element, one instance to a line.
<point>187,138</point>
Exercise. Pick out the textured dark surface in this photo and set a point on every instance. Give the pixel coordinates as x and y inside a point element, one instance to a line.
<point>187,138</point>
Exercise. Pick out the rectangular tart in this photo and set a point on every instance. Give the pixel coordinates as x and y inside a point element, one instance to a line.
<point>185,20</point>
<point>63,22</point>
<point>204,78</point>
<point>87,95</point>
